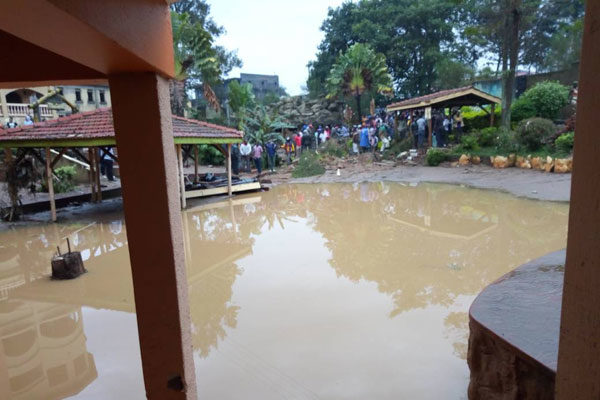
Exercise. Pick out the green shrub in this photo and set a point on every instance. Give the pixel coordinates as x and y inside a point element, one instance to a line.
<point>65,182</point>
<point>435,157</point>
<point>400,145</point>
<point>333,148</point>
<point>521,109</point>
<point>477,120</point>
<point>564,143</point>
<point>506,142</point>
<point>308,165</point>
<point>469,142</point>
<point>487,136</point>
<point>533,133</point>
<point>546,99</point>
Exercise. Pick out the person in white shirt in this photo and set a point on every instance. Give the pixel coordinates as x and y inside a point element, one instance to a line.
<point>245,150</point>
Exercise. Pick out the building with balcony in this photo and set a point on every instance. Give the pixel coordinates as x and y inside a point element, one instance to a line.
<point>15,102</point>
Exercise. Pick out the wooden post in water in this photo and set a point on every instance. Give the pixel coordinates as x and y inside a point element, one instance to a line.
<point>229,189</point>
<point>97,164</point>
<point>92,174</point>
<point>195,163</point>
<point>50,184</point>
<point>181,176</point>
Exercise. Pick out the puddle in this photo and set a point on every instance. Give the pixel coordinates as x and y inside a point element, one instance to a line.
<point>335,291</point>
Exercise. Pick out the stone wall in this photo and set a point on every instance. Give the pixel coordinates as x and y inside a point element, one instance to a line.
<point>300,110</point>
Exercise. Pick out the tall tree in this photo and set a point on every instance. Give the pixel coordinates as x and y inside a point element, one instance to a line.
<point>359,71</point>
<point>199,63</point>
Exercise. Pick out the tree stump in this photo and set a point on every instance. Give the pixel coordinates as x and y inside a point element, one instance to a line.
<point>67,266</point>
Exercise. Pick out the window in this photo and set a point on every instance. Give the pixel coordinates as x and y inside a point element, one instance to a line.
<point>90,94</point>
<point>102,97</point>
<point>78,95</point>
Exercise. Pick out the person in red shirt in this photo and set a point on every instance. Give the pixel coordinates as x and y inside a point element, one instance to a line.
<point>298,140</point>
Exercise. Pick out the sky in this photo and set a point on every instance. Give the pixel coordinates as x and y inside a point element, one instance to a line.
<point>273,37</point>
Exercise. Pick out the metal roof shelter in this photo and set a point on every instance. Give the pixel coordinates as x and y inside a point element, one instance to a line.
<point>95,130</point>
<point>464,96</point>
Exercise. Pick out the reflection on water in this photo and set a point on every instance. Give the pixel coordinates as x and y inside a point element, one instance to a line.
<point>307,291</point>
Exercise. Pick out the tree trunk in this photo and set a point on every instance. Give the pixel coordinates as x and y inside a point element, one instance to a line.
<point>511,50</point>
<point>178,97</point>
<point>357,96</point>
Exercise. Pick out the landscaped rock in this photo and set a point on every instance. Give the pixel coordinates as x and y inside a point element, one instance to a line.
<point>512,160</point>
<point>476,160</point>
<point>464,160</point>
<point>563,165</point>
<point>500,162</point>
<point>523,163</point>
<point>538,163</point>
<point>549,166</point>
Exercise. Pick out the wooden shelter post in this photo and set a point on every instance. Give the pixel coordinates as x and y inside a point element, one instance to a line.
<point>229,190</point>
<point>96,153</point>
<point>493,115</point>
<point>181,176</point>
<point>50,184</point>
<point>195,163</point>
<point>92,175</point>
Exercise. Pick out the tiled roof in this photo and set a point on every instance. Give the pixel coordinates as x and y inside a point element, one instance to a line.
<point>440,96</point>
<point>98,124</point>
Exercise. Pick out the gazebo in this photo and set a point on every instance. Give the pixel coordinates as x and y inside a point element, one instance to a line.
<point>95,132</point>
<point>463,96</point>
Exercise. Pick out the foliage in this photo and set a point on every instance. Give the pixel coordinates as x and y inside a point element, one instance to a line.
<point>534,132</point>
<point>64,181</point>
<point>261,126</point>
<point>209,155</point>
<point>399,146</point>
<point>522,108</point>
<point>358,71</point>
<point>308,165</point>
<point>335,149</point>
<point>241,99</point>
<point>487,137</point>
<point>199,63</point>
<point>469,142</point>
<point>435,157</point>
<point>475,120</point>
<point>414,36</point>
<point>506,142</point>
<point>564,143</point>
<point>546,99</point>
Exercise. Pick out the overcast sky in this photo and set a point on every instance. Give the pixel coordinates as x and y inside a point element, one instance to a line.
<point>273,37</point>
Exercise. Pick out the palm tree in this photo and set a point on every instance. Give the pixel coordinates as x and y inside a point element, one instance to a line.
<point>357,71</point>
<point>261,126</point>
<point>196,58</point>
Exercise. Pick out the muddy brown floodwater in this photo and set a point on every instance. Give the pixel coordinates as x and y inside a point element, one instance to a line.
<point>337,291</point>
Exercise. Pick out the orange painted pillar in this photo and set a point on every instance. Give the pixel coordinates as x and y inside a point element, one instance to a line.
<point>578,374</point>
<point>142,119</point>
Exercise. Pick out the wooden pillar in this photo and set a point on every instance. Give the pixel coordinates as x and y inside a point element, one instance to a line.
<point>142,112</point>
<point>229,190</point>
<point>50,184</point>
<point>578,375</point>
<point>92,175</point>
<point>196,163</point>
<point>493,115</point>
<point>181,176</point>
<point>97,174</point>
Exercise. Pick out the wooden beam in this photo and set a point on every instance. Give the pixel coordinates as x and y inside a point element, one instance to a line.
<point>97,175</point>
<point>58,157</point>
<point>50,184</point>
<point>244,187</point>
<point>192,140</point>
<point>229,170</point>
<point>106,151</point>
<point>181,176</point>
<point>79,154</point>
<point>493,115</point>
<point>57,143</point>
<point>218,147</point>
<point>92,174</point>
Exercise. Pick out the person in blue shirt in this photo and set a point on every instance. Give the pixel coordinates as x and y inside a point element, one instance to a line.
<point>364,139</point>
<point>271,155</point>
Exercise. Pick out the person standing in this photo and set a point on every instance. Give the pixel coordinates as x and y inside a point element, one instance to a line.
<point>257,156</point>
<point>298,141</point>
<point>107,165</point>
<point>235,159</point>
<point>414,129</point>
<point>421,126</point>
<point>458,122</point>
<point>28,120</point>
<point>438,128</point>
<point>289,150</point>
<point>364,139</point>
<point>271,155</point>
<point>245,150</point>
<point>10,123</point>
